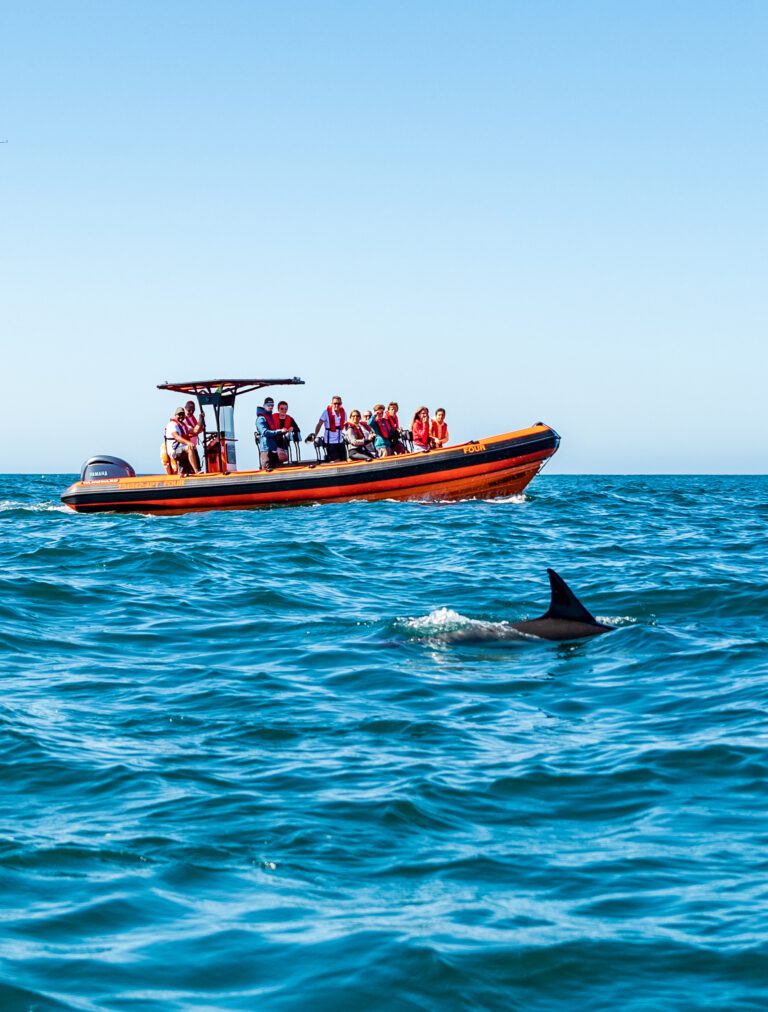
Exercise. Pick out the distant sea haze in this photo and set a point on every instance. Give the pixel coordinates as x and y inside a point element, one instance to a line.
<point>292,758</point>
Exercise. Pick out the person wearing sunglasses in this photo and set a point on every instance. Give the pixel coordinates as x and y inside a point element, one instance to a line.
<point>333,419</point>
<point>359,440</point>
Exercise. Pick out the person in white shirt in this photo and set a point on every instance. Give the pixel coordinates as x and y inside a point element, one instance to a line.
<point>333,419</point>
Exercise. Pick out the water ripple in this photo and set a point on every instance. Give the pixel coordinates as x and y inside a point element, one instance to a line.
<point>256,759</point>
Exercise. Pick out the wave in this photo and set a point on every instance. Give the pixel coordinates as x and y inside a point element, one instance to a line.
<point>249,757</point>
<point>448,626</point>
<point>19,506</point>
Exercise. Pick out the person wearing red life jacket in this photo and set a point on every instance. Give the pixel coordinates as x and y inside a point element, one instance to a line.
<point>287,430</point>
<point>397,444</point>
<point>266,435</point>
<point>359,439</point>
<point>333,419</point>
<point>192,429</point>
<point>438,430</point>
<point>420,430</point>
<point>383,431</point>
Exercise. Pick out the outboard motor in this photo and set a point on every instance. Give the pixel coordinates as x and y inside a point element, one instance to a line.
<point>103,467</point>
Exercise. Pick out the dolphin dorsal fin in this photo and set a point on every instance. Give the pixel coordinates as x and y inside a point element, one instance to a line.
<point>564,603</point>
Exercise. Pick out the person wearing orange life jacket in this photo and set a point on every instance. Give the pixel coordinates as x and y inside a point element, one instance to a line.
<point>438,429</point>
<point>288,430</point>
<point>359,439</point>
<point>420,430</point>
<point>333,419</point>
<point>397,444</point>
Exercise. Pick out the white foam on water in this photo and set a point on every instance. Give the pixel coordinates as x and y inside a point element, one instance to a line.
<point>444,623</point>
<point>518,499</point>
<point>7,505</point>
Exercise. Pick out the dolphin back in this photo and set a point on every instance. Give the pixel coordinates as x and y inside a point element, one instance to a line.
<point>565,605</point>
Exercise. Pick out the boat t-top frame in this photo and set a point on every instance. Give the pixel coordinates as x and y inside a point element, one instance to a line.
<point>221,394</point>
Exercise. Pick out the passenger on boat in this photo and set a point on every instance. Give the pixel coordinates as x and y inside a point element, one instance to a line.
<point>366,424</point>
<point>420,430</point>
<point>438,430</point>
<point>287,431</point>
<point>333,418</point>
<point>176,443</point>
<point>359,439</point>
<point>266,436</point>
<point>397,443</point>
<point>192,429</point>
<point>382,431</point>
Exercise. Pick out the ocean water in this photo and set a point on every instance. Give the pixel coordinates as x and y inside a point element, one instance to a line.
<point>293,758</point>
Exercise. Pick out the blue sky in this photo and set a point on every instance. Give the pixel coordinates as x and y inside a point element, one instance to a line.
<point>519,211</point>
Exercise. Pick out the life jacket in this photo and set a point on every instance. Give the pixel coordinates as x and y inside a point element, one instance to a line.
<point>167,461</point>
<point>188,425</point>
<point>332,420</point>
<point>420,432</point>
<point>439,429</point>
<point>357,430</point>
<point>386,427</point>
<point>393,419</point>
<point>283,423</point>
<point>271,420</point>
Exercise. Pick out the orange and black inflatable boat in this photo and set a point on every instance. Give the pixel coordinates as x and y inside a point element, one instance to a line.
<point>499,465</point>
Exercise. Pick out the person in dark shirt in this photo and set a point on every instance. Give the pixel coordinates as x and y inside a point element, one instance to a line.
<point>287,432</point>
<point>266,435</point>
<point>383,432</point>
<point>397,441</point>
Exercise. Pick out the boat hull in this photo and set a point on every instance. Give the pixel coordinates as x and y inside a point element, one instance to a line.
<point>499,465</point>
